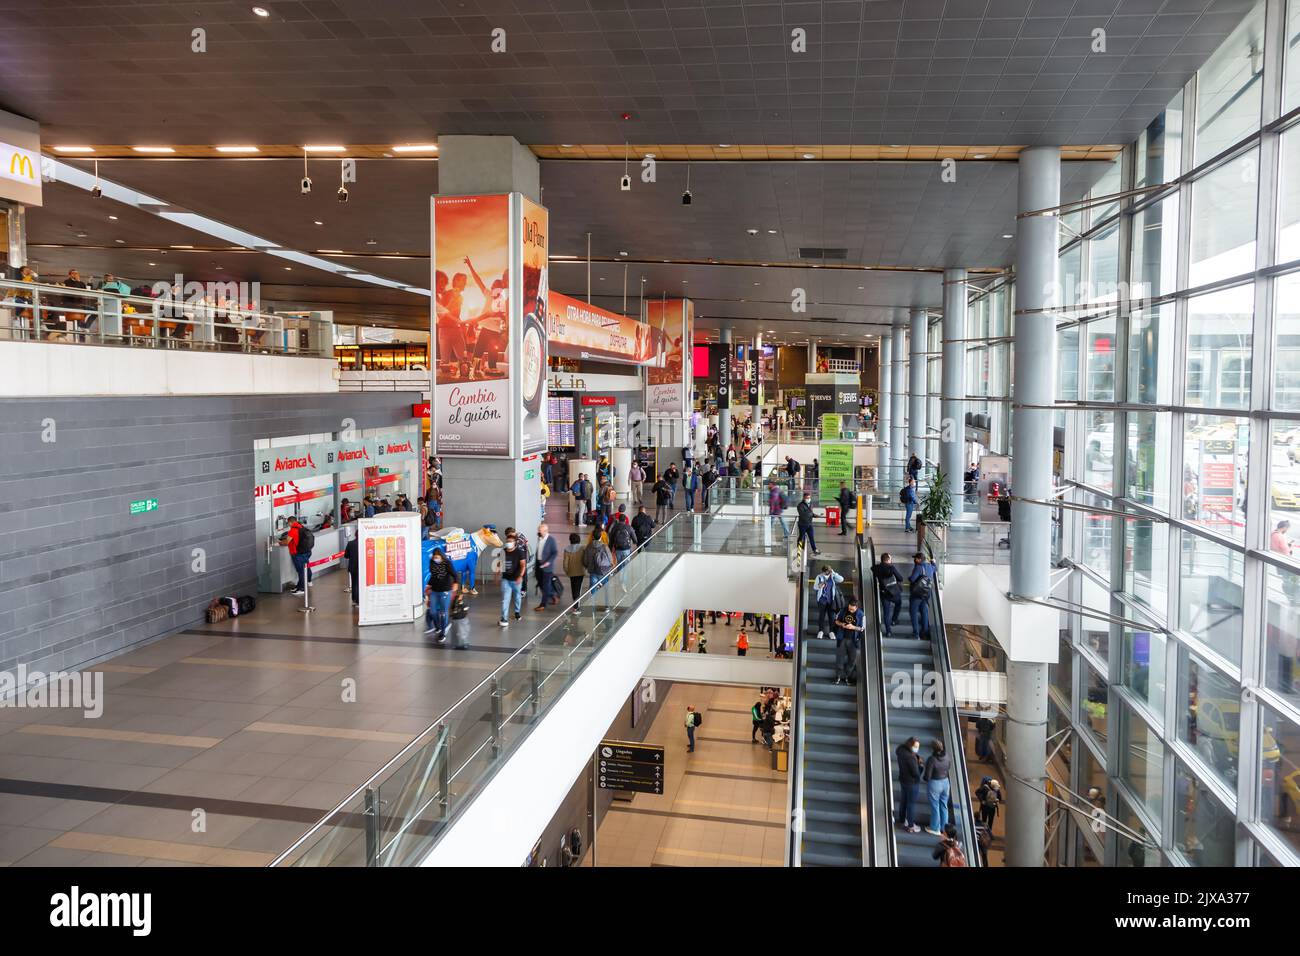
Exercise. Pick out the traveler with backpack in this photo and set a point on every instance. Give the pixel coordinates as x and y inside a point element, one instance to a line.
<point>671,474</point>
<point>984,739</point>
<point>805,512</point>
<point>829,599</point>
<point>791,472</point>
<point>889,582</point>
<point>599,563</point>
<point>663,499</point>
<point>846,502</point>
<point>949,851</point>
<point>989,795</point>
<point>622,539</point>
<point>907,496</point>
<point>909,781</point>
<point>693,720</point>
<point>756,715</point>
<point>848,634</point>
<point>708,480</point>
<point>575,566</point>
<point>300,541</point>
<point>444,583</point>
<point>914,468</point>
<point>938,787</point>
<point>920,584</point>
<point>776,506</point>
<point>547,553</point>
<point>514,562</point>
<point>459,615</point>
<point>642,525</point>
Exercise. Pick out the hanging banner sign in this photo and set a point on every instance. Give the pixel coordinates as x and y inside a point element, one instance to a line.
<point>534,286</point>
<point>669,378</point>
<point>578,330</point>
<point>720,359</point>
<point>836,465</point>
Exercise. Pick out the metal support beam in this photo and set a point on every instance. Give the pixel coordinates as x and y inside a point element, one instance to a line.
<point>952,421</point>
<point>898,416</point>
<point>917,367</point>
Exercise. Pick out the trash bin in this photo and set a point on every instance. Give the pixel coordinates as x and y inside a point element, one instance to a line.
<point>832,516</point>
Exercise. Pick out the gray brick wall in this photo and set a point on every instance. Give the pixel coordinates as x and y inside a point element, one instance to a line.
<point>81,579</point>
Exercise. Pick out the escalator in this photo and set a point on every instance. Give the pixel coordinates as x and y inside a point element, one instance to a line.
<point>911,710</point>
<point>830,791</point>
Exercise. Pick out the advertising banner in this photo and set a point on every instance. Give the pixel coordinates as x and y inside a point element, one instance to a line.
<point>669,378</point>
<point>535,288</point>
<point>471,303</point>
<point>389,573</point>
<point>403,446</point>
<point>720,359</point>
<point>578,330</point>
<point>836,465</point>
<point>830,426</point>
<point>752,379</point>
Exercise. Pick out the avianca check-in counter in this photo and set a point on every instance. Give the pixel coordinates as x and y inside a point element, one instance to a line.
<point>309,477</point>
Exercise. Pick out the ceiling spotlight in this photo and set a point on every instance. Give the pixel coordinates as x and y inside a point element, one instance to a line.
<point>82,235</point>
<point>237,149</point>
<point>752,232</point>
<point>1007,235</point>
<point>771,232</point>
<point>112,217</point>
<point>261,11</point>
<point>288,268</point>
<point>416,148</point>
<point>119,240</point>
<point>981,156</point>
<point>74,149</point>
<point>809,156</point>
<point>372,242</point>
<point>324,149</point>
<point>318,222</point>
<point>153,263</point>
<point>153,149</point>
<point>724,146</point>
<point>622,253</point>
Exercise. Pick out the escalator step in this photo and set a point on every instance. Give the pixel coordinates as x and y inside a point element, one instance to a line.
<point>841,834</point>
<point>834,778</point>
<point>831,795</point>
<point>828,856</point>
<point>822,757</point>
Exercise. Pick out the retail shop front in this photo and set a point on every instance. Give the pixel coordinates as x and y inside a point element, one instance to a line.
<point>309,477</point>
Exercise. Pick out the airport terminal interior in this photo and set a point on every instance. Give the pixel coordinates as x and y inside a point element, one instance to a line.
<point>436,432</point>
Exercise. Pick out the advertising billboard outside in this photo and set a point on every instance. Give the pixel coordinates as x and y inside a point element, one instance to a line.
<point>582,331</point>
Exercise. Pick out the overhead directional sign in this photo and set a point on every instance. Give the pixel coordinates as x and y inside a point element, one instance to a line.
<point>638,768</point>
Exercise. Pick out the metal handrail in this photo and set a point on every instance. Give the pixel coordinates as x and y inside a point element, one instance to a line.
<point>794,843</point>
<point>41,312</point>
<point>867,774</point>
<point>891,846</point>
<point>952,728</point>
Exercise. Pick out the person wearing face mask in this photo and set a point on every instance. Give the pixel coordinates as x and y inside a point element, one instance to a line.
<point>806,521</point>
<point>937,766</point>
<point>443,584</point>
<point>909,779</point>
<point>512,579</point>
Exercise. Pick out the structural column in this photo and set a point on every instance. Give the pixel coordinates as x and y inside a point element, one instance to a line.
<point>1034,358</point>
<point>812,356</point>
<point>898,412</point>
<point>917,386</point>
<point>884,405</point>
<point>952,368</point>
<point>755,415</point>
<point>724,414</point>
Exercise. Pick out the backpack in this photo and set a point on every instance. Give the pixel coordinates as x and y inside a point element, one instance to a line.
<point>246,603</point>
<point>902,495</point>
<point>699,719</point>
<point>988,799</point>
<point>921,588</point>
<point>601,560</point>
<point>306,540</point>
<point>953,855</point>
<point>620,536</point>
<point>826,596</point>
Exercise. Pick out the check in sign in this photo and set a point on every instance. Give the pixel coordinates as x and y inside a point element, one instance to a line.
<point>140,507</point>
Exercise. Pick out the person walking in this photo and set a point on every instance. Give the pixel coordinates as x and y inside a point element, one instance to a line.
<point>909,780</point>
<point>756,715</point>
<point>599,563</point>
<point>579,500</point>
<point>826,589</point>
<point>663,499</point>
<point>889,582</point>
<point>920,584</point>
<point>989,796</point>
<point>350,555</point>
<point>642,526</point>
<point>444,583</point>
<point>949,851</point>
<point>791,472</point>
<point>938,787</point>
<point>984,739</point>
<point>776,507</point>
<point>671,475</point>
<point>513,565</point>
<point>636,480</point>
<point>575,566</point>
<point>805,512</point>
<point>690,485</point>
<point>692,721</point>
<point>622,539</point>
<point>907,496</point>
<point>460,625</point>
<point>769,725</point>
<point>914,468</point>
<point>848,634</point>
<point>846,502</point>
<point>544,567</point>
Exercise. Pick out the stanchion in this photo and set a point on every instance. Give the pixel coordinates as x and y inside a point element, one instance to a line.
<point>306,592</point>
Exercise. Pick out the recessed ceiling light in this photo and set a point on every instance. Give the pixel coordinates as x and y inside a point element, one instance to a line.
<point>324,149</point>
<point>861,287</point>
<point>981,156</point>
<point>809,156</point>
<point>755,283</point>
<point>74,149</point>
<point>82,235</point>
<point>182,247</point>
<point>724,146</point>
<point>1007,235</point>
<point>288,268</point>
<point>112,217</point>
<point>237,149</point>
<point>895,145</point>
<point>219,267</point>
<point>622,253</point>
<point>752,232</point>
<point>683,282</point>
<point>153,263</point>
<point>261,11</point>
<point>318,222</point>
<point>567,145</point>
<point>372,242</point>
<point>416,148</point>
<point>330,252</point>
<point>771,232</point>
<point>153,149</point>
<point>119,240</point>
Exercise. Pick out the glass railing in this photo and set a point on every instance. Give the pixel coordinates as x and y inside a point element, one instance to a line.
<point>398,815</point>
<point>38,312</point>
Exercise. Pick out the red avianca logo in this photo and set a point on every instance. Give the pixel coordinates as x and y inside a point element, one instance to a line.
<point>392,449</point>
<point>289,464</point>
<point>355,454</point>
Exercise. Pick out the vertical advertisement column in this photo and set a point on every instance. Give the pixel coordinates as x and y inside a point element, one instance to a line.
<point>669,379</point>
<point>534,287</point>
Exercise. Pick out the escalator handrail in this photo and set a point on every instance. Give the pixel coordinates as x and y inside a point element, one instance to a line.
<point>882,727</point>
<point>952,727</point>
<point>866,780</point>
<point>794,811</point>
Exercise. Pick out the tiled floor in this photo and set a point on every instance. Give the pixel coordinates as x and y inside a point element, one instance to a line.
<point>722,805</point>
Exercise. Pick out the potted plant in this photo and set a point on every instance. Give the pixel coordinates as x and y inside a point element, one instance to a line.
<point>935,511</point>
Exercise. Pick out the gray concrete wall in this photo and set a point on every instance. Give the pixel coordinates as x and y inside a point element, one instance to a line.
<point>81,579</point>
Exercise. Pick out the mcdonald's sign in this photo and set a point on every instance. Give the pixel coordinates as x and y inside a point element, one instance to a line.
<point>21,166</point>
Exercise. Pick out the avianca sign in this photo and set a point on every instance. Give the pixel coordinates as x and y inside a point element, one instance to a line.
<point>398,448</point>
<point>354,454</point>
<point>294,464</point>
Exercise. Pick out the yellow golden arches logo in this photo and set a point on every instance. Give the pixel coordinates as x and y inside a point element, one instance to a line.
<point>20,165</point>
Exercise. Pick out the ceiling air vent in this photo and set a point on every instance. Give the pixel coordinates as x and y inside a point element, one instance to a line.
<point>812,252</point>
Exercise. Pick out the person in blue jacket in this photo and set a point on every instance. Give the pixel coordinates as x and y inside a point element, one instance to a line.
<point>920,584</point>
<point>690,485</point>
<point>908,497</point>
